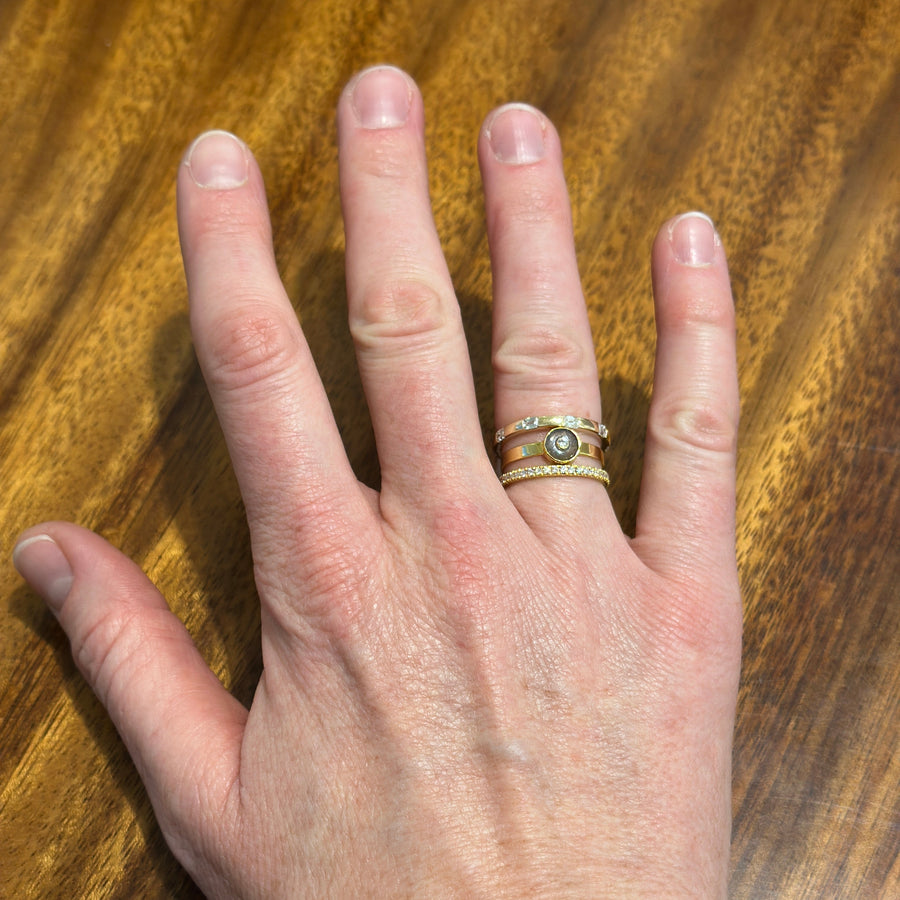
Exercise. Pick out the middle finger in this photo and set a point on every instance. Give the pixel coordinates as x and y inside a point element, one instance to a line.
<point>404,316</point>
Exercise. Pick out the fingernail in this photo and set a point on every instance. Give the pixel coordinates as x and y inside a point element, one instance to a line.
<point>694,239</point>
<point>218,160</point>
<point>381,97</point>
<point>42,564</point>
<point>516,134</point>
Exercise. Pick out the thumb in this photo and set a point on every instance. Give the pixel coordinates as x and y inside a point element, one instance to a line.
<point>182,728</point>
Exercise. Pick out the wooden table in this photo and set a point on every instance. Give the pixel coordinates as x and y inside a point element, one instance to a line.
<point>781,118</point>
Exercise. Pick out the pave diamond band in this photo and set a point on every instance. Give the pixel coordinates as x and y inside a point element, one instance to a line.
<point>524,474</point>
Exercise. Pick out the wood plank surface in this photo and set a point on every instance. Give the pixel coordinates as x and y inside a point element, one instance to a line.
<point>781,118</point>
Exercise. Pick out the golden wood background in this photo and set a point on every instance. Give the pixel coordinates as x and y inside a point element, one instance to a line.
<point>780,117</point>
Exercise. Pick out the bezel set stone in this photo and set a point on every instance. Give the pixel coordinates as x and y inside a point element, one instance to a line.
<point>561,445</point>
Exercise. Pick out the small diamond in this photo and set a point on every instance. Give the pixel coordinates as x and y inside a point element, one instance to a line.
<point>561,445</point>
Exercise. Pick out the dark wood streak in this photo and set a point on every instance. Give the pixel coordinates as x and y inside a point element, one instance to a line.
<point>780,117</point>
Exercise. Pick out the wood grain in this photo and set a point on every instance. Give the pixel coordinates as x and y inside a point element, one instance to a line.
<point>781,118</point>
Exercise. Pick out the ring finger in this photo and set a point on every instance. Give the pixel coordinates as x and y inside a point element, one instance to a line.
<point>543,350</point>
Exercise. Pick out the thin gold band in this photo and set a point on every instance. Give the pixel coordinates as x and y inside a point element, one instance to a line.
<point>525,451</point>
<point>570,471</point>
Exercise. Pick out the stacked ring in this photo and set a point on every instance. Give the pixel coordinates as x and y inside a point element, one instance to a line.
<point>533,423</point>
<point>561,447</point>
<point>524,474</point>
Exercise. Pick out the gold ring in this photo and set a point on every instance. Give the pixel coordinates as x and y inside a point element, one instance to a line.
<point>524,474</point>
<point>533,423</point>
<point>560,445</point>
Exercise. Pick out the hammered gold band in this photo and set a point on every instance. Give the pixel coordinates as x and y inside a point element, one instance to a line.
<point>524,474</point>
<point>533,423</point>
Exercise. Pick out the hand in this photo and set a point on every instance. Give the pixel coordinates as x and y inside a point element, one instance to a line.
<point>468,690</point>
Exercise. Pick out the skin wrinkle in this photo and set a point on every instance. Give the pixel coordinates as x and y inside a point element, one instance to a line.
<point>112,644</point>
<point>385,160</point>
<point>698,306</point>
<point>541,284</point>
<point>217,222</point>
<point>411,314</point>
<point>536,354</point>
<point>698,425</point>
<point>534,203</point>
<point>251,349</point>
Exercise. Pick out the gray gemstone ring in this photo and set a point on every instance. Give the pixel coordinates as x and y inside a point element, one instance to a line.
<point>560,446</point>
<point>535,423</point>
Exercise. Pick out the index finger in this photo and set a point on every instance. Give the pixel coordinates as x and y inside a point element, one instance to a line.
<point>282,438</point>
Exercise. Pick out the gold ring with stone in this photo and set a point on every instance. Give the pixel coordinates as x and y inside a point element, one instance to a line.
<point>560,445</point>
<point>534,423</point>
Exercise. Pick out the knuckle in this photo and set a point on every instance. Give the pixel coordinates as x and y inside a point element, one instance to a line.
<point>699,308</point>
<point>109,649</point>
<point>389,160</point>
<point>539,351</point>
<point>221,218</point>
<point>249,346</point>
<point>406,311</point>
<point>700,424</point>
<point>460,536</point>
<point>707,623</point>
<point>536,205</point>
<point>337,570</point>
